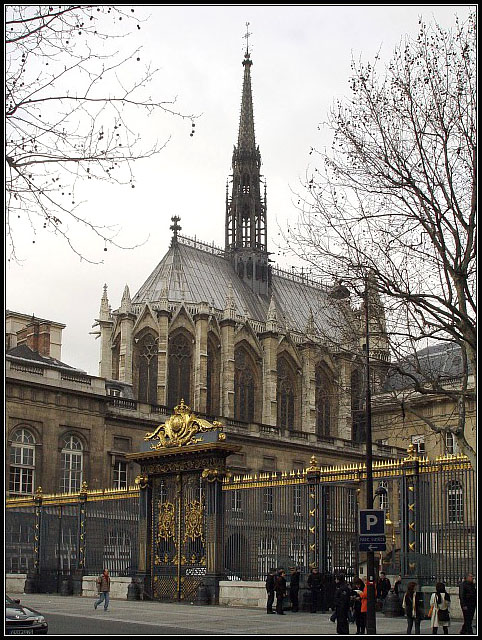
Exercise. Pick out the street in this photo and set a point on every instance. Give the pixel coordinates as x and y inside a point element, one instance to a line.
<point>73,615</point>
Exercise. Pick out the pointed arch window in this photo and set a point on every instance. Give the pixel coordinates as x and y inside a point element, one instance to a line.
<point>244,386</point>
<point>285,395</point>
<point>324,403</point>
<point>147,391</point>
<point>180,366</point>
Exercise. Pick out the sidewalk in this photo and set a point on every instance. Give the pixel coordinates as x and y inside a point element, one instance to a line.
<point>231,621</point>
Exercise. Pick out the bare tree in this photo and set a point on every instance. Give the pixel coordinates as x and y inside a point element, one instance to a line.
<point>395,197</point>
<point>71,105</point>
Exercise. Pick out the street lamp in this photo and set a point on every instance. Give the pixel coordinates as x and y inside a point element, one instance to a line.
<point>341,292</point>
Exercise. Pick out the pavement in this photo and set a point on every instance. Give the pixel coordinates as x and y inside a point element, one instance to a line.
<point>160,618</point>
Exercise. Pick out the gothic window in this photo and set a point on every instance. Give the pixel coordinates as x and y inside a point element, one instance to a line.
<point>324,403</point>
<point>180,366</point>
<point>115,358</point>
<point>244,386</point>
<point>285,395</point>
<point>249,268</point>
<point>22,462</point>
<point>212,395</point>
<point>71,464</point>
<point>241,269</point>
<point>357,407</point>
<point>147,349</point>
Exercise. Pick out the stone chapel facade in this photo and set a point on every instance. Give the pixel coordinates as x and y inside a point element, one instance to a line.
<point>241,340</point>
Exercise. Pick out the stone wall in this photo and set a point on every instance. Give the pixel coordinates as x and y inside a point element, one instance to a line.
<point>240,593</point>
<point>15,582</point>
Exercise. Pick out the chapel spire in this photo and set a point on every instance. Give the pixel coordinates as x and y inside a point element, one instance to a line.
<point>246,208</point>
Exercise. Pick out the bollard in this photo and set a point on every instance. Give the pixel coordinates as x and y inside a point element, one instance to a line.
<point>202,595</point>
<point>133,591</point>
<point>392,607</point>
<point>31,584</point>
<point>66,586</point>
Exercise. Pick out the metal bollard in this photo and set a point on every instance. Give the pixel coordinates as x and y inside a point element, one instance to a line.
<point>392,607</point>
<point>133,591</point>
<point>66,586</point>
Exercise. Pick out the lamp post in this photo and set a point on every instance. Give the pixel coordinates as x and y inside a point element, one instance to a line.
<point>340,292</point>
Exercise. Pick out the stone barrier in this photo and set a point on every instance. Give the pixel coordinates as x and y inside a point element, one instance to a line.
<point>118,587</point>
<point>242,593</point>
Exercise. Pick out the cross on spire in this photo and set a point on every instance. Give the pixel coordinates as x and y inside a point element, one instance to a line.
<point>246,36</point>
<point>175,228</point>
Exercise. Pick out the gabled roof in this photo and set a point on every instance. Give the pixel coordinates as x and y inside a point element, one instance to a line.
<point>25,353</point>
<point>190,273</point>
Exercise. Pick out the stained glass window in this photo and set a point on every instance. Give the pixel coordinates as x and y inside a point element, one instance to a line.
<point>244,385</point>
<point>324,403</point>
<point>285,395</point>
<point>147,369</point>
<point>212,383</point>
<point>180,366</point>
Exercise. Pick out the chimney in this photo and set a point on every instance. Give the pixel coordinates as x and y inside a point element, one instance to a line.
<point>36,335</point>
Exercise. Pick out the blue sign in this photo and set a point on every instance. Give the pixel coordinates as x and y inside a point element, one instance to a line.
<point>372,522</point>
<point>372,539</point>
<point>372,546</point>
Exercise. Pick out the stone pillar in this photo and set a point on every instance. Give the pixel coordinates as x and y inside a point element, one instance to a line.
<point>269,342</point>
<point>308,389</point>
<point>344,429</point>
<point>127,319</point>
<point>105,324</point>
<point>201,358</point>
<point>228,326</point>
<point>162,355</point>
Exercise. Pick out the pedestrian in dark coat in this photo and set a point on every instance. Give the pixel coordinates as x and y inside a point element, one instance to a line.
<point>468,602</point>
<point>413,606</point>
<point>270,580</point>
<point>383,586</point>
<point>280,589</point>
<point>294,588</point>
<point>342,604</point>
<point>316,587</point>
<point>360,617</point>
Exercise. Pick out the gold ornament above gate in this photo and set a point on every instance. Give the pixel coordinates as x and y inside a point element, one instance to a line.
<point>180,429</point>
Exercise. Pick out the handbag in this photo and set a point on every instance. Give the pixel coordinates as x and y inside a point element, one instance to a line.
<point>443,615</point>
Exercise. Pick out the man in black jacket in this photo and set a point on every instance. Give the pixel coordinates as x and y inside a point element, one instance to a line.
<point>294,588</point>
<point>383,586</point>
<point>342,605</point>
<point>315,585</point>
<point>280,588</point>
<point>468,602</point>
<point>270,580</point>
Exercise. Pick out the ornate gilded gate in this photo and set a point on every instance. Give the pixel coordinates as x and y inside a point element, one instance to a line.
<point>178,549</point>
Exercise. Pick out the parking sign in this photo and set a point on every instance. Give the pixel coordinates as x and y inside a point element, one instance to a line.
<point>372,522</point>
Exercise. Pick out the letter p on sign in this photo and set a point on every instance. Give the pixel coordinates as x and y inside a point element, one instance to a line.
<point>372,522</point>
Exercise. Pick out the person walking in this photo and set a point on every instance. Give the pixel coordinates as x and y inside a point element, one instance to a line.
<point>294,588</point>
<point>342,605</point>
<point>468,602</point>
<point>383,586</point>
<point>413,607</point>
<point>360,617</point>
<point>439,609</point>
<point>103,588</point>
<point>270,581</point>
<point>280,589</point>
<point>315,586</point>
<point>396,586</point>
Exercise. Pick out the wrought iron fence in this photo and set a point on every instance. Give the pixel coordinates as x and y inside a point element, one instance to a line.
<point>270,520</point>
<point>54,536</point>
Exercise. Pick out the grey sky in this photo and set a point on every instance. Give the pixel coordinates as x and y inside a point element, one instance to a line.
<point>301,57</point>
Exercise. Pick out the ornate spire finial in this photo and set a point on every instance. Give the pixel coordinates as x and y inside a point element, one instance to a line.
<point>104,305</point>
<point>175,228</point>
<point>126,305</point>
<point>246,36</point>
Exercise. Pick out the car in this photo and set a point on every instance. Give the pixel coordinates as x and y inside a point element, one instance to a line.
<point>20,619</point>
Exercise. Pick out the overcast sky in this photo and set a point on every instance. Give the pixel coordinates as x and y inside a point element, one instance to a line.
<point>301,64</point>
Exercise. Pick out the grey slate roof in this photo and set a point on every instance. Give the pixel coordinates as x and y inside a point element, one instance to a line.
<point>442,361</point>
<point>25,353</point>
<point>192,274</point>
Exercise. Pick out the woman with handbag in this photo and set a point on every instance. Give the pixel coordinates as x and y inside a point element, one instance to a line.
<point>439,609</point>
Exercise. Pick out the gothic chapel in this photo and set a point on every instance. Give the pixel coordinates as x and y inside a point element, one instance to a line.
<point>239,339</point>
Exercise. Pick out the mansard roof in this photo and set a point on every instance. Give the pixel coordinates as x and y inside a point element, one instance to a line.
<point>22,352</point>
<point>194,272</point>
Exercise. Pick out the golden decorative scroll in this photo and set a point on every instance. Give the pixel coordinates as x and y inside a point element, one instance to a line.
<point>194,520</point>
<point>180,429</point>
<point>167,523</point>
